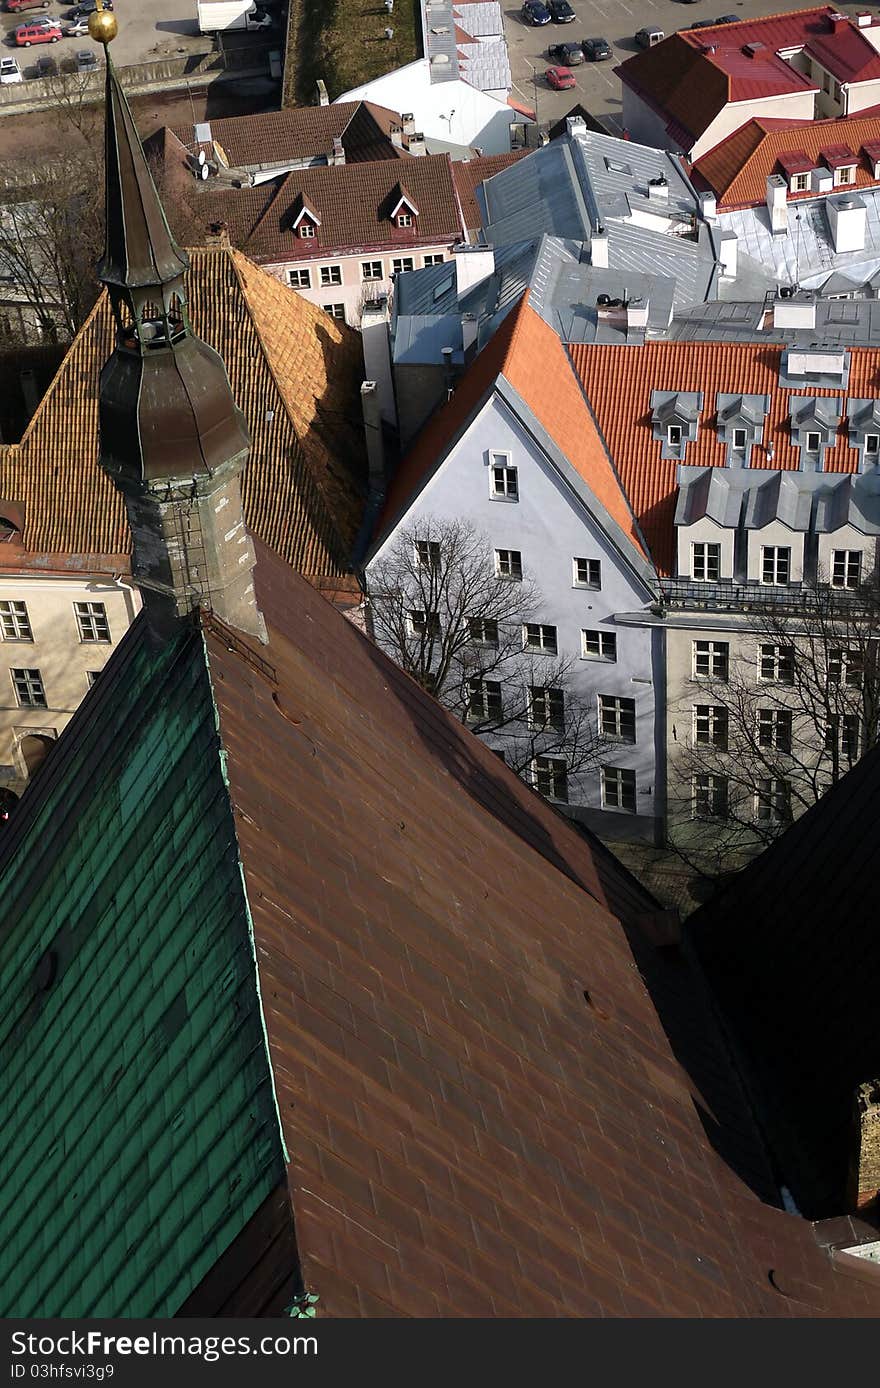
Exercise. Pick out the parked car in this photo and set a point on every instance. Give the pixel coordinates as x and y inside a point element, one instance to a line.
<point>84,10</point>
<point>86,60</point>
<point>533,12</point>
<point>9,71</point>
<point>13,6</point>
<point>46,67</point>
<point>561,11</point>
<point>566,54</point>
<point>560,78</point>
<point>729,19</point>
<point>77,29</point>
<point>38,31</point>
<point>647,38</point>
<point>596,50</point>
<point>703,24</point>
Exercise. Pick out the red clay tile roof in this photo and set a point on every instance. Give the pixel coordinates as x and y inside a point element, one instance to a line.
<point>736,169</point>
<point>301,133</point>
<point>618,381</point>
<point>284,357</point>
<point>354,204</point>
<point>847,54</point>
<point>470,173</point>
<point>470,1134</point>
<point>529,355</point>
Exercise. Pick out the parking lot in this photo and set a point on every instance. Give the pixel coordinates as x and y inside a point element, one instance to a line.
<point>597,88</point>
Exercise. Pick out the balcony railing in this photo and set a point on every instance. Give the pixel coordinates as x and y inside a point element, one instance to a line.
<point>727,595</point>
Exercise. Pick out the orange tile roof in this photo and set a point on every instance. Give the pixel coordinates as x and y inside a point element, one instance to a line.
<point>530,356</point>
<point>285,359</point>
<point>618,381</point>
<point>736,169</point>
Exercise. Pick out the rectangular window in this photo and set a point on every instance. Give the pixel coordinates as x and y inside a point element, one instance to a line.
<point>774,729</point>
<point>423,623</point>
<point>775,564</point>
<point>306,231</point>
<point>710,725</point>
<point>14,621</point>
<point>846,566</point>
<point>546,708</point>
<point>800,183</point>
<point>740,439</point>
<point>872,444</point>
<point>299,279</point>
<point>776,663</point>
<point>618,789</point>
<point>372,270</point>
<point>673,435</point>
<point>599,645</point>
<point>537,636</point>
<point>335,310</point>
<point>331,274</point>
<point>587,573</point>
<point>813,442</point>
<point>710,797</point>
<point>402,265</point>
<point>845,667</point>
<point>773,801</point>
<point>711,660</point>
<point>404,219</point>
<point>844,734</point>
<point>91,618</point>
<point>505,486</point>
<point>484,700</point>
<point>428,554</point>
<point>550,776</point>
<point>28,685</point>
<point>508,563</point>
<point>706,563</point>
<point>617,718</point>
<point>433,259</point>
<point>484,631</point>
<point>846,174</point>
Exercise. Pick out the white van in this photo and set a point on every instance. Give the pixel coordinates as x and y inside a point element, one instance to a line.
<point>646,38</point>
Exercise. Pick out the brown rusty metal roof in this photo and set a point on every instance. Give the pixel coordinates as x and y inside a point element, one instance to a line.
<point>483,1111</point>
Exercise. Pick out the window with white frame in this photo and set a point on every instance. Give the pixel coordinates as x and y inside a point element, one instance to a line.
<point>845,174</point>
<point>774,729</point>
<point>546,708</point>
<point>710,725</point>
<point>428,554</point>
<point>740,439</point>
<point>845,667</point>
<point>617,718</point>
<point>673,435</point>
<point>483,631</point>
<point>335,310</point>
<point>814,441</point>
<point>404,219</point>
<point>372,270</point>
<point>550,778</point>
<point>709,792</point>
<point>598,645</point>
<point>711,660</point>
<point>28,686</point>
<point>800,182</point>
<point>504,483</point>
<point>705,562</point>
<point>402,265</point>
<point>91,618</point>
<point>872,445</point>
<point>844,735</point>
<point>14,621</point>
<point>775,564</point>
<point>508,563</point>
<point>423,623</point>
<point>484,700</point>
<point>330,274</point>
<point>846,568</point>
<point>587,573</point>
<point>307,231</point>
<point>299,279</point>
<point>434,258</point>
<point>776,664</point>
<point>618,788</point>
<point>539,636</point>
<point>773,801</point>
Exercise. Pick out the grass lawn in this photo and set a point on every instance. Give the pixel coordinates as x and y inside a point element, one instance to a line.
<point>343,41</point>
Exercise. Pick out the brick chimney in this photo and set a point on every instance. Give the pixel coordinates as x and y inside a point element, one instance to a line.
<point>864,1185</point>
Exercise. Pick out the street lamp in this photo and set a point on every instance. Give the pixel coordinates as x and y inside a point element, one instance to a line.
<point>535,84</point>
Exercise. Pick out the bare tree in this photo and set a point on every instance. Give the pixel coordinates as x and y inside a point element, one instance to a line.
<point>468,634</point>
<point>780,720</point>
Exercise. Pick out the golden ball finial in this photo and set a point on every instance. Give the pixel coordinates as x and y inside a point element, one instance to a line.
<point>103,26</point>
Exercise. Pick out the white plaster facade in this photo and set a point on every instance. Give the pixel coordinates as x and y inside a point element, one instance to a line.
<point>354,283</point>
<point>649,128</point>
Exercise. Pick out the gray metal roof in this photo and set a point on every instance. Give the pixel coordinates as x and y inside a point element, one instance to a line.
<point>438,38</point>
<point>840,323</point>
<point>806,255</point>
<point>805,501</point>
<point>422,339</point>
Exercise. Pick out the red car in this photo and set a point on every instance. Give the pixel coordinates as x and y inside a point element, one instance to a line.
<point>560,78</point>
<point>14,5</point>
<point>38,31</point>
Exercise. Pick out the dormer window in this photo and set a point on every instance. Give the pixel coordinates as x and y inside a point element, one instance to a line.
<point>845,174</point>
<point>872,446</point>
<point>306,230</point>
<point>403,210</point>
<point>404,219</point>
<point>740,438</point>
<point>813,442</point>
<point>705,563</point>
<point>304,218</point>
<point>673,435</point>
<point>800,182</point>
<point>675,420</point>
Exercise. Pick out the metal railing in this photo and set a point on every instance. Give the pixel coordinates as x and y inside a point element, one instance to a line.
<point>726,595</point>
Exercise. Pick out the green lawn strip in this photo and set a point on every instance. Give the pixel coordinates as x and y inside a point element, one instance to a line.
<point>344,42</point>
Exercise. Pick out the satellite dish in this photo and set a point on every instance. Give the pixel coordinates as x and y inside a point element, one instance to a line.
<point>201,156</point>
<point>205,172</point>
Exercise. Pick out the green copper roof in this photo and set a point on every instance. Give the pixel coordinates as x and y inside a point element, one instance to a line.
<point>139,1125</point>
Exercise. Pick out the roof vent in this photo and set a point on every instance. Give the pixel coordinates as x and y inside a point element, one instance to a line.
<point>754,50</point>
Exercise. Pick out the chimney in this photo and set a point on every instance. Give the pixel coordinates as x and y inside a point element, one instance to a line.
<point>337,154</point>
<point>469,328</point>
<point>864,1181</point>
<point>777,207</point>
<point>376,346</point>
<point>448,373</point>
<point>374,435</point>
<point>417,144</point>
<point>473,264</point>
<point>575,125</point>
<point>599,248</point>
<point>846,222</point>
<point>658,189</point>
<point>864,19</point>
<point>408,122</point>
<point>321,92</point>
<point>637,314</point>
<point>708,205</point>
<point>728,254</point>
<point>795,313</point>
<point>397,136</point>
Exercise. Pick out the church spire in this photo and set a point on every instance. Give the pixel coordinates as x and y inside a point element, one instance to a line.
<point>172,438</point>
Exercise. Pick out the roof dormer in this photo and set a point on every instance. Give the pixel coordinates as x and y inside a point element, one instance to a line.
<point>842,163</point>
<point>863,420</point>
<point>404,211</point>
<point>675,418</point>
<point>305,220</point>
<point>797,167</point>
<point>740,421</point>
<point>814,420</point>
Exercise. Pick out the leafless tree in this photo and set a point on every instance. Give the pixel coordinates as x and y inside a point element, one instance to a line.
<point>462,630</point>
<point>790,712</point>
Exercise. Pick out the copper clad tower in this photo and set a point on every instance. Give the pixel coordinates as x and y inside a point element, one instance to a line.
<point>172,437</point>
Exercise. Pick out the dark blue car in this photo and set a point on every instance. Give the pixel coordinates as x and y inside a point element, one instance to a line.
<point>533,12</point>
